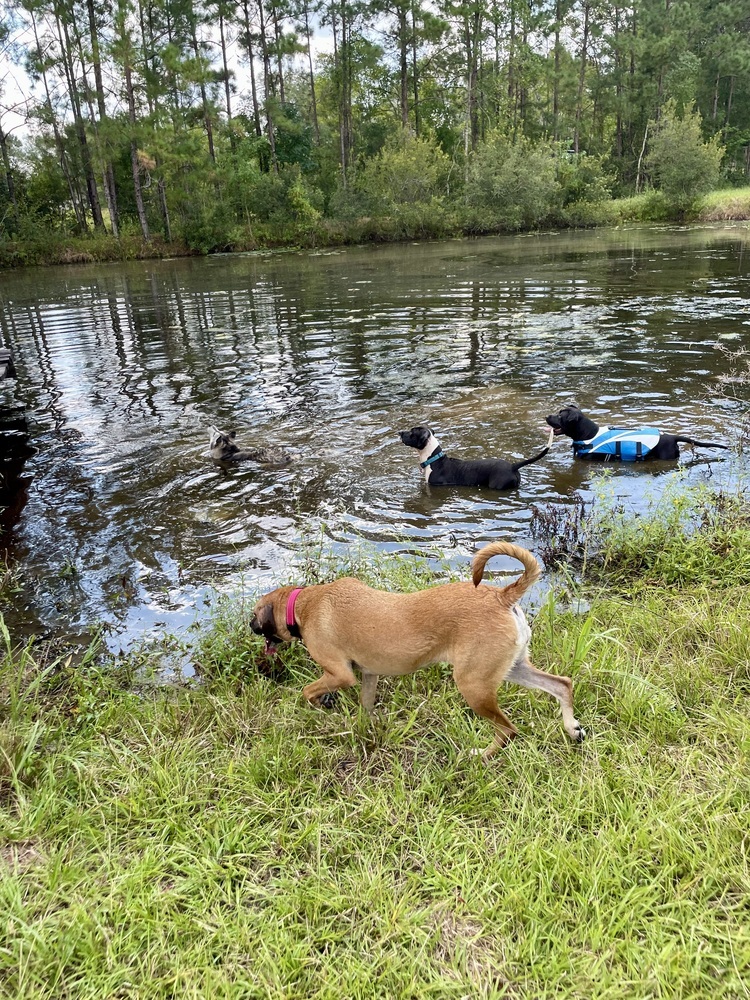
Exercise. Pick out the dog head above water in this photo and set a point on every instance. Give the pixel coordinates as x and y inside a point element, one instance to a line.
<point>417,437</point>
<point>221,445</point>
<point>568,421</point>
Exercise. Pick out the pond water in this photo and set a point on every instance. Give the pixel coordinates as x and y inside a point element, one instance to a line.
<point>124,367</point>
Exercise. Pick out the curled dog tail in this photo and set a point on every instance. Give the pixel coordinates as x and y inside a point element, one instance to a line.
<point>513,591</point>
<point>519,465</point>
<point>700,444</point>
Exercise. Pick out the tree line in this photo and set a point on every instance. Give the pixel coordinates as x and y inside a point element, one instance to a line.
<point>206,121</point>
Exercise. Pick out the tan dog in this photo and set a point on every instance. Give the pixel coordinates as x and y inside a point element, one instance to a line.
<point>480,630</point>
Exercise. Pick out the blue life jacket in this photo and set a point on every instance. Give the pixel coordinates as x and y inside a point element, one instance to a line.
<point>629,445</point>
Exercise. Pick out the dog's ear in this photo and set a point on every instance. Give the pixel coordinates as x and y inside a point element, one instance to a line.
<point>266,619</point>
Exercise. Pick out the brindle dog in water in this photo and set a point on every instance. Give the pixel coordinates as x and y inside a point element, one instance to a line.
<point>223,448</point>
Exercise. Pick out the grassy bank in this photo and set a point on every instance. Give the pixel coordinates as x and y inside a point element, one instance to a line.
<point>225,840</point>
<point>415,223</point>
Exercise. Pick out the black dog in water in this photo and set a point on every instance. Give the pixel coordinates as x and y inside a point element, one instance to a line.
<point>605,443</point>
<point>439,470</point>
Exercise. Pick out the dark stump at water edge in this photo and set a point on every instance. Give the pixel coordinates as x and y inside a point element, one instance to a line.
<point>15,448</point>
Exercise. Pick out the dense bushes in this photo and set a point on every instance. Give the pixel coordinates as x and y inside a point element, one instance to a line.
<point>511,186</point>
<point>407,171</point>
<point>409,189</point>
<point>683,166</point>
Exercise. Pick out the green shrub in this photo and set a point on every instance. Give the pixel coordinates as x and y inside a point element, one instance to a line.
<point>511,185</point>
<point>407,171</point>
<point>588,213</point>
<point>284,197</point>
<point>651,206</point>
<point>349,203</point>
<point>683,166</point>
<point>582,178</point>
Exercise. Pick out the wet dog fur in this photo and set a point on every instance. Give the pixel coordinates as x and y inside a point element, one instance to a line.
<point>573,423</point>
<point>222,447</point>
<point>495,473</point>
<point>478,629</point>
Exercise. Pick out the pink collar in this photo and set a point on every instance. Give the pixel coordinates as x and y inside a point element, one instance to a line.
<point>291,621</point>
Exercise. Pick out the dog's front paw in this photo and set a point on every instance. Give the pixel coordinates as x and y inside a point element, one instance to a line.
<point>577,733</point>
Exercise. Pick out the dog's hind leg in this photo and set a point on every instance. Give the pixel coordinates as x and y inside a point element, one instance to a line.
<point>481,695</point>
<point>368,690</point>
<point>337,674</point>
<point>523,672</point>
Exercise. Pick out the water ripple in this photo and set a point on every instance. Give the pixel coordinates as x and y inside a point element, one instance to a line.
<point>331,353</point>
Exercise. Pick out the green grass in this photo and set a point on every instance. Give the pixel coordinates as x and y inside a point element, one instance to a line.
<point>730,204</point>
<point>225,840</point>
<point>697,536</point>
<point>724,205</point>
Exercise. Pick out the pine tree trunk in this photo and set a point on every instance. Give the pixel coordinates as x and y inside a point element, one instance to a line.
<point>251,58</point>
<point>313,100</point>
<point>279,63</point>
<point>729,105</point>
<point>149,55</point>
<point>581,75</point>
<point>8,172</point>
<point>110,190</point>
<point>134,164</point>
<point>471,42</point>
<point>75,200</point>
<point>339,72</point>
<point>227,87</point>
<point>618,88</point>
<point>715,110</point>
<point>268,87</point>
<point>414,69</point>
<point>403,68</point>
<point>208,124</point>
<point>92,190</point>
<point>512,95</point>
<point>556,82</point>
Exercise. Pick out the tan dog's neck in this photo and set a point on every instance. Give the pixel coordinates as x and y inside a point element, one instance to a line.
<point>424,454</point>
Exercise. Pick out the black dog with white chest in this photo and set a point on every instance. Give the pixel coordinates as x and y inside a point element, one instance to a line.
<point>626,444</point>
<point>439,470</point>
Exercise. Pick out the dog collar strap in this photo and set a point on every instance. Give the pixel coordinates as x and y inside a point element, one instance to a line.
<point>291,621</point>
<point>431,459</point>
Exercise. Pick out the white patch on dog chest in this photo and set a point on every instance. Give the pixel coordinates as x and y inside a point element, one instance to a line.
<point>424,453</point>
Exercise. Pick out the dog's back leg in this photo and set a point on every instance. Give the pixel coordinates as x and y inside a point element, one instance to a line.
<point>480,694</point>
<point>367,690</point>
<point>523,672</point>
